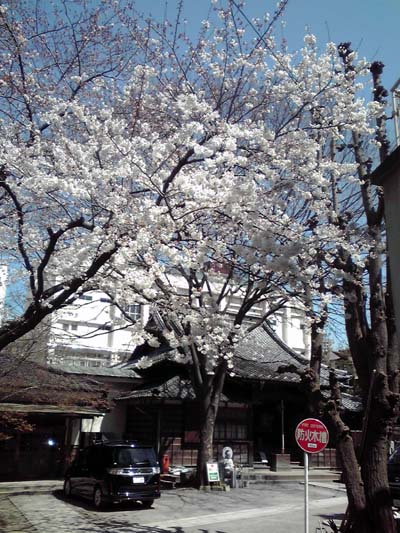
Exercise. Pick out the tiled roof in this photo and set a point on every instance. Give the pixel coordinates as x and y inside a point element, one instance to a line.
<point>117,371</point>
<point>29,382</point>
<point>260,356</point>
<point>32,408</point>
<point>176,388</point>
<point>351,403</point>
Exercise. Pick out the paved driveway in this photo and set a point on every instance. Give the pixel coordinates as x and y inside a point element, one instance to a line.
<point>275,508</point>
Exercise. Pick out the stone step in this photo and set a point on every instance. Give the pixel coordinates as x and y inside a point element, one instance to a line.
<point>292,474</point>
<point>169,481</point>
<point>169,477</point>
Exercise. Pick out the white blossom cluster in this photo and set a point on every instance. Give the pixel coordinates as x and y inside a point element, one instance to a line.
<point>212,164</point>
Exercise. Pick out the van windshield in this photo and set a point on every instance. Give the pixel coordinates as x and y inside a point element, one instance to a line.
<point>134,456</point>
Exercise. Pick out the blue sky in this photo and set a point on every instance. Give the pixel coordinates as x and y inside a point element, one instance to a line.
<point>371,25</point>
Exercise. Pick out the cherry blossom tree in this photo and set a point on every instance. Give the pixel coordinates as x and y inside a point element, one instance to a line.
<point>246,131</point>
<point>369,320</point>
<point>308,115</point>
<point>73,194</point>
<point>54,234</point>
<point>361,282</point>
<point>132,156</point>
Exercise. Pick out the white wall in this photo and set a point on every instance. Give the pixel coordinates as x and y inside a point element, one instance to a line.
<point>392,203</point>
<point>115,421</point>
<point>387,174</point>
<point>93,328</point>
<point>289,325</point>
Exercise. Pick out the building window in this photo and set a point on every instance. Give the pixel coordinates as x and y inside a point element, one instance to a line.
<point>230,430</point>
<point>133,311</point>
<point>86,297</point>
<point>69,327</point>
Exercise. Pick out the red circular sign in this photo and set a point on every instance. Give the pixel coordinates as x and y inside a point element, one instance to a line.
<point>312,435</point>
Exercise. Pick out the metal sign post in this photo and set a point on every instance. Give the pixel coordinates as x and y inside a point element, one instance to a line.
<point>282,426</point>
<point>305,492</point>
<point>312,437</point>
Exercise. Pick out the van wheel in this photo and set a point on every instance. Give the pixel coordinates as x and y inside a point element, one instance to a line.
<point>98,498</point>
<point>147,503</point>
<point>67,488</point>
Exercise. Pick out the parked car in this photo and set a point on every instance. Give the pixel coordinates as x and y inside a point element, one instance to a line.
<point>394,473</point>
<point>113,472</point>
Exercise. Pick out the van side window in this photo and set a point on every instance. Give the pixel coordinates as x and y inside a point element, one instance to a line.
<point>395,458</point>
<point>95,459</point>
<point>82,459</point>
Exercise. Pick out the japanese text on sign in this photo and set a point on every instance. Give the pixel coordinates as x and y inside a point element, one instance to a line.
<point>309,435</point>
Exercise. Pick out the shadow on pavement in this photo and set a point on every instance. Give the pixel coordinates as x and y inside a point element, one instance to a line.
<point>123,526</point>
<point>111,526</point>
<point>76,501</point>
<point>108,523</point>
<point>333,516</point>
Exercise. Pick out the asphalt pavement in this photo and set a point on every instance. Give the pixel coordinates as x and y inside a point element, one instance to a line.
<point>40,507</point>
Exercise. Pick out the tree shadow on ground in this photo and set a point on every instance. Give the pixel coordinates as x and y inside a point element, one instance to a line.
<point>121,526</point>
<point>77,501</point>
<point>331,522</point>
<point>106,522</point>
<point>333,516</point>
<point>113,525</point>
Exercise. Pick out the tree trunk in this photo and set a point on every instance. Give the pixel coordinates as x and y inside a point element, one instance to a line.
<point>374,472</point>
<point>378,406</point>
<point>317,345</point>
<point>358,515</point>
<point>375,455</point>
<point>208,395</point>
<point>357,519</point>
<point>206,443</point>
<point>372,344</point>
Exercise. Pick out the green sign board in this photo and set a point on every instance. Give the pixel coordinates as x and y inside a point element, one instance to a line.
<point>212,472</point>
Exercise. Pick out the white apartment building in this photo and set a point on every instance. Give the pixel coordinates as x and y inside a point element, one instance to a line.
<point>93,333</point>
<point>289,324</point>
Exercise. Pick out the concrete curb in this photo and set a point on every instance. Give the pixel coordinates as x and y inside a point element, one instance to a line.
<point>339,487</point>
<point>42,486</point>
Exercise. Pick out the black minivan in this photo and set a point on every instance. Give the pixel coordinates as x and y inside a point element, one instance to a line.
<point>394,473</point>
<point>113,472</point>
